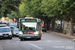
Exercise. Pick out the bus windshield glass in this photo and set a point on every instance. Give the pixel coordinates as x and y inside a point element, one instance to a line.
<point>29,26</point>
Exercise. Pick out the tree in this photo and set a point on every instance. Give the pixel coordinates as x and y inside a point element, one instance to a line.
<point>68,10</point>
<point>7,18</point>
<point>22,9</point>
<point>8,5</point>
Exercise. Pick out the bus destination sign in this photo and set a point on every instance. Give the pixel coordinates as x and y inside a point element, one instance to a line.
<point>28,20</point>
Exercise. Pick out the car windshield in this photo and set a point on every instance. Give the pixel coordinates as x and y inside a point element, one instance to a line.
<point>13,25</point>
<point>16,29</point>
<point>4,29</point>
<point>29,26</point>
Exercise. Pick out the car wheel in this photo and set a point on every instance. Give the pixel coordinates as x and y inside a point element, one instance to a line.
<point>0,38</point>
<point>45,30</point>
<point>10,38</point>
<point>39,38</point>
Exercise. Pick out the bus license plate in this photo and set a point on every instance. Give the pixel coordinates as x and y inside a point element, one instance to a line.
<point>28,37</point>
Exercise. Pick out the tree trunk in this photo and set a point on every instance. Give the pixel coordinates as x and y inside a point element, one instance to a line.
<point>48,24</point>
<point>71,26</point>
<point>53,25</point>
<point>45,23</point>
<point>61,26</point>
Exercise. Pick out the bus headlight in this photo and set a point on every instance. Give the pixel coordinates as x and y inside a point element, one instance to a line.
<point>36,33</point>
<point>20,33</point>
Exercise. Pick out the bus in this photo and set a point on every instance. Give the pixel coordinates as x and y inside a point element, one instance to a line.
<point>30,27</point>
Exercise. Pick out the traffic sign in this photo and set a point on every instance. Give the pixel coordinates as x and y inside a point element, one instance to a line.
<point>62,22</point>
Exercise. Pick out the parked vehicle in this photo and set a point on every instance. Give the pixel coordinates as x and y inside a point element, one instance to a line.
<point>12,25</point>
<point>73,29</point>
<point>44,29</point>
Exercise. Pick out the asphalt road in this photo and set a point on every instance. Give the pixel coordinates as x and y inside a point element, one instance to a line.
<point>49,41</point>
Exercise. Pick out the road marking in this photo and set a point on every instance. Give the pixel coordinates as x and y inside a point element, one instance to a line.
<point>35,45</point>
<point>14,44</point>
<point>64,47</point>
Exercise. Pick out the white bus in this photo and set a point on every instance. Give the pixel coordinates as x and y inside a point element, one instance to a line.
<point>30,27</point>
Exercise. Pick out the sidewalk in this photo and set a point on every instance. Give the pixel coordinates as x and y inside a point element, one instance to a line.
<point>61,34</point>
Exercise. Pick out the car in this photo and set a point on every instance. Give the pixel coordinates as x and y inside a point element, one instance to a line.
<point>73,29</point>
<point>5,32</point>
<point>44,29</point>
<point>3,25</point>
<point>12,26</point>
<point>16,32</point>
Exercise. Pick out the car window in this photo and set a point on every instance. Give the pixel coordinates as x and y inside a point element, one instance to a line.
<point>13,25</point>
<point>16,29</point>
<point>5,30</point>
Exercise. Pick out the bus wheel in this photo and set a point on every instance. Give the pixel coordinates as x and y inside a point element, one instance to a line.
<point>39,38</point>
<point>21,39</point>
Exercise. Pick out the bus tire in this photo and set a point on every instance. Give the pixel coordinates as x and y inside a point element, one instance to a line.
<point>21,39</point>
<point>39,38</point>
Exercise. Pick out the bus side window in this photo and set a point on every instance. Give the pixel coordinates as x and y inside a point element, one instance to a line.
<point>38,26</point>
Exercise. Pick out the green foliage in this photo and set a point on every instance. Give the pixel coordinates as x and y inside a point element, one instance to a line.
<point>59,8</point>
<point>30,7</point>
<point>22,9</point>
<point>14,15</point>
<point>8,5</point>
<point>53,9</point>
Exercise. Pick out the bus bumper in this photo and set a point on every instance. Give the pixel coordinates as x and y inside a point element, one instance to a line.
<point>28,36</point>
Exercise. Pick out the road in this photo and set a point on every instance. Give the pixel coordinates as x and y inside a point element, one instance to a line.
<point>49,41</point>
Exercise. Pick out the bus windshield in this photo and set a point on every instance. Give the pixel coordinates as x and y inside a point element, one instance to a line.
<point>29,26</point>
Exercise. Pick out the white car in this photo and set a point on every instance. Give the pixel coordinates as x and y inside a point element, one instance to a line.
<point>16,32</point>
<point>12,25</point>
<point>5,32</point>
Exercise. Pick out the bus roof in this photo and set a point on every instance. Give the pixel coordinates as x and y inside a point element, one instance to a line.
<point>30,19</point>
